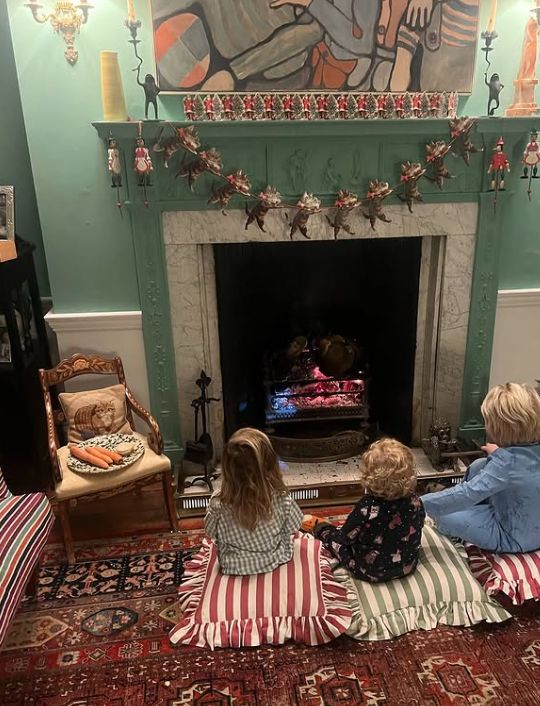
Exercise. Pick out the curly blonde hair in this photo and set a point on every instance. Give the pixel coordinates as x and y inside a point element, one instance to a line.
<point>388,470</point>
<point>250,477</point>
<point>512,414</point>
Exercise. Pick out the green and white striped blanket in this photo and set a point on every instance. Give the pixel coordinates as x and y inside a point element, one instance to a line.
<point>442,590</point>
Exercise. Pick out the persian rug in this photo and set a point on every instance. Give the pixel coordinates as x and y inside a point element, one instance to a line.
<point>101,639</point>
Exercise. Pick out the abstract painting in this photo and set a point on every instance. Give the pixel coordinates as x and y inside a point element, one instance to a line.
<point>319,45</point>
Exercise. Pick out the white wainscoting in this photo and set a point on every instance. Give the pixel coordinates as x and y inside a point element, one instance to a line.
<point>516,345</point>
<point>108,334</point>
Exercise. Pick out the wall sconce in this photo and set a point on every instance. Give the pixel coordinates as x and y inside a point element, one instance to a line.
<point>66,19</point>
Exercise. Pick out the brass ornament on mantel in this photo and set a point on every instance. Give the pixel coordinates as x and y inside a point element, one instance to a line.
<point>66,19</point>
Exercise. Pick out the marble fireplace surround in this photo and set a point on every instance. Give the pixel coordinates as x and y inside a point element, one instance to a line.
<point>448,232</point>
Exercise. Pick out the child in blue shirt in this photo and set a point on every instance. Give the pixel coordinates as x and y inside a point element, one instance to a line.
<point>497,507</point>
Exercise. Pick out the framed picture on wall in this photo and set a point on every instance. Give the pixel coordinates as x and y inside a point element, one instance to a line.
<point>7,213</point>
<point>315,45</point>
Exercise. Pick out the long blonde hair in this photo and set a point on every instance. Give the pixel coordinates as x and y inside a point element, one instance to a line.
<point>512,414</point>
<point>388,470</point>
<point>250,477</point>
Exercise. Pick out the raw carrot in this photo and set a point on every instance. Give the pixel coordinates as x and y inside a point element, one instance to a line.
<point>84,455</point>
<point>111,454</point>
<point>96,452</point>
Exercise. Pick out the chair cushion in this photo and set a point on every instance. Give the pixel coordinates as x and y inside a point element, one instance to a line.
<point>25,523</point>
<point>4,490</point>
<point>442,590</point>
<point>299,601</point>
<point>74,485</point>
<point>514,575</point>
<point>95,412</point>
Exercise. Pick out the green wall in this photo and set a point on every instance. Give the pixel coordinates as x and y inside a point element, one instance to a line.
<point>15,167</point>
<point>88,244</point>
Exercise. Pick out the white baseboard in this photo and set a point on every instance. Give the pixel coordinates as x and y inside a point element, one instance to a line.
<point>516,344</point>
<point>106,333</point>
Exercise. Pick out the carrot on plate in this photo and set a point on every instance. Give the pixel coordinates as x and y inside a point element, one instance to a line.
<point>107,452</point>
<point>84,455</point>
<point>94,450</point>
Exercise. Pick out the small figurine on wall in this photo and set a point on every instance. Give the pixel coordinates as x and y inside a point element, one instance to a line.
<point>287,104</point>
<point>151,92</point>
<point>530,160</point>
<point>114,166</point>
<point>206,161</point>
<point>208,103</point>
<point>495,87</point>
<point>411,172</point>
<point>228,107</point>
<point>342,106</point>
<point>267,199</point>
<point>306,107</point>
<point>498,168</point>
<point>381,105</point>
<point>361,105</point>
<point>373,203</point>
<point>189,108</point>
<point>307,205</point>
<point>460,130</point>
<point>322,106</point>
<point>189,138</point>
<point>237,183</point>
<point>436,152</point>
<point>143,166</point>
<point>167,146</point>
<point>249,107</point>
<point>269,112</point>
<point>344,204</point>
<point>399,106</point>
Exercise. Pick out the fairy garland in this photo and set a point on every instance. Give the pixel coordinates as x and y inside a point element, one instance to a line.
<point>197,161</point>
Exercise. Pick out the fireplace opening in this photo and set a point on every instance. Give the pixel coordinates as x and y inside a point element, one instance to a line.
<point>318,339</point>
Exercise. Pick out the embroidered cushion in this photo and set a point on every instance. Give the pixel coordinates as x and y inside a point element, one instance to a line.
<point>298,601</point>
<point>95,412</point>
<point>442,591</point>
<point>515,575</point>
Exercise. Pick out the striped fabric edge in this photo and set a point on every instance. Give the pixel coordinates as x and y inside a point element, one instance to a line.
<point>514,575</point>
<point>4,490</point>
<point>442,591</point>
<point>28,520</point>
<point>328,624</point>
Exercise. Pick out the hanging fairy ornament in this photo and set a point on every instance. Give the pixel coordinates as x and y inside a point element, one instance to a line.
<point>206,161</point>
<point>266,200</point>
<point>373,203</point>
<point>142,165</point>
<point>411,172</point>
<point>237,183</point>
<point>530,160</point>
<point>498,168</point>
<point>307,205</point>
<point>114,165</point>
<point>346,201</point>
<point>189,138</point>
<point>436,151</point>
<point>460,134</point>
<point>167,146</point>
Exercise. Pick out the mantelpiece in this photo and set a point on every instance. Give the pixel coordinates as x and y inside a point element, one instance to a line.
<point>360,150</point>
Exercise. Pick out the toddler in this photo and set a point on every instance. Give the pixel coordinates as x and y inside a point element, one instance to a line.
<point>497,507</point>
<point>380,539</point>
<point>252,518</point>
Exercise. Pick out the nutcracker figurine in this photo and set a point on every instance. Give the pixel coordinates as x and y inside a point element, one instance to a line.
<point>143,166</point>
<point>498,167</point>
<point>115,168</point>
<point>228,109</point>
<point>209,108</point>
<point>322,106</point>
<point>269,112</point>
<point>189,108</point>
<point>530,160</point>
<point>342,106</point>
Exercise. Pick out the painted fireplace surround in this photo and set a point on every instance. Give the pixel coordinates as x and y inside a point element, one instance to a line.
<point>461,235</point>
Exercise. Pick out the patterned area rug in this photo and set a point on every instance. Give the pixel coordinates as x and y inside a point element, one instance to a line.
<point>102,640</point>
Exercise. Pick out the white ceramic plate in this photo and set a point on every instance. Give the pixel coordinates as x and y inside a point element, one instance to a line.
<point>108,441</point>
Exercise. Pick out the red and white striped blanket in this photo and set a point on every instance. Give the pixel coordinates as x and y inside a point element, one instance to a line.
<point>298,601</point>
<point>515,575</point>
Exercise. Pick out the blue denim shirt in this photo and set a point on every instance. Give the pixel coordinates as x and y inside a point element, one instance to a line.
<point>510,484</point>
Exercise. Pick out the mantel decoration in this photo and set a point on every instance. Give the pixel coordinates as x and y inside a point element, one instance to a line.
<point>494,83</point>
<point>197,161</point>
<point>530,161</point>
<point>498,168</point>
<point>66,19</point>
<point>149,86</point>
<point>322,106</point>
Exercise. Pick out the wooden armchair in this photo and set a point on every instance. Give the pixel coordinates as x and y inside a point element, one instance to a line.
<point>71,487</point>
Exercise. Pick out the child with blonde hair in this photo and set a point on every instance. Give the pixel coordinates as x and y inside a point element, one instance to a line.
<point>497,507</point>
<point>380,540</point>
<point>252,518</point>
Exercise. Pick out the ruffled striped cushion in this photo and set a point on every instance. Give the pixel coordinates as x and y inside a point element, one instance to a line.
<point>515,575</point>
<point>442,591</point>
<point>4,492</point>
<point>299,601</point>
<point>25,523</point>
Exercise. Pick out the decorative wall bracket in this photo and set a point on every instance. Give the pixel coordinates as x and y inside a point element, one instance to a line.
<point>66,19</point>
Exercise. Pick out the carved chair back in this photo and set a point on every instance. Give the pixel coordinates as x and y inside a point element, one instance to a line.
<point>68,369</point>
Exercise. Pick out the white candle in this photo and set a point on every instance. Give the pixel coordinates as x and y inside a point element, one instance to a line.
<point>131,10</point>
<point>492,16</point>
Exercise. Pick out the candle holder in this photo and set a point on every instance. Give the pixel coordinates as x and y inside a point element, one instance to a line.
<point>149,86</point>
<point>66,19</point>
<point>494,83</point>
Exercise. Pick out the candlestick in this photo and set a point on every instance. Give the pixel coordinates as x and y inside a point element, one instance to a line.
<point>492,16</point>
<point>131,10</point>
